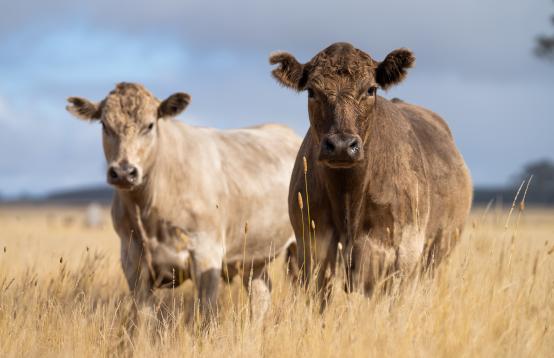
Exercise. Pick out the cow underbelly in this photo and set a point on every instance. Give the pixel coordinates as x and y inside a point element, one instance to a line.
<point>171,278</point>
<point>256,248</point>
<point>267,234</point>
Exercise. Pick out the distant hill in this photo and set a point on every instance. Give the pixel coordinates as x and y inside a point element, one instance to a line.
<point>80,196</point>
<point>538,176</point>
<point>103,195</point>
<point>496,195</point>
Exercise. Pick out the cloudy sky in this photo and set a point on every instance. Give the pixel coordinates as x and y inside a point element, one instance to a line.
<point>474,67</point>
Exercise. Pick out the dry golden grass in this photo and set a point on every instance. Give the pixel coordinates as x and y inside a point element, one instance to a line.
<point>493,297</point>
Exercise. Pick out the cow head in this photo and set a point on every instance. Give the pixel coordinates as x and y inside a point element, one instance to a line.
<point>129,116</point>
<point>341,82</point>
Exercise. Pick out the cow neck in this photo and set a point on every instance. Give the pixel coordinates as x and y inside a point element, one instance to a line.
<point>345,189</point>
<point>145,195</point>
<point>140,197</point>
<point>349,189</point>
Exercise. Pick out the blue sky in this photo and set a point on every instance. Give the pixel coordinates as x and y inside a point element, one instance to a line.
<point>474,67</point>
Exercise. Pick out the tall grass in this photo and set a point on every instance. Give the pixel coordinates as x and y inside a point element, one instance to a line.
<point>494,296</point>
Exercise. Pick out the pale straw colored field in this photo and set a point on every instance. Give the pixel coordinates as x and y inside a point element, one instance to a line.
<point>62,293</point>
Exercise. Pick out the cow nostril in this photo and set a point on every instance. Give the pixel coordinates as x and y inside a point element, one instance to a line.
<point>133,172</point>
<point>329,146</point>
<point>354,147</point>
<point>112,173</point>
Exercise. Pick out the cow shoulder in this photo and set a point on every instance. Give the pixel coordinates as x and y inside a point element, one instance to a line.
<point>419,115</point>
<point>398,167</point>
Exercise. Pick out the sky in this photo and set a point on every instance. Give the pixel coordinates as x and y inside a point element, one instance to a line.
<point>474,66</point>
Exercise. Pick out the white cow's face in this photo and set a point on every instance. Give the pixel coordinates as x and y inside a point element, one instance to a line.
<point>129,117</point>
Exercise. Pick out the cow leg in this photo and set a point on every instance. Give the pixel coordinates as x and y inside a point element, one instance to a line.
<point>368,266</point>
<point>257,282</point>
<point>439,247</point>
<point>208,289</point>
<point>325,287</point>
<point>292,269</point>
<point>317,261</point>
<point>132,255</point>
<point>206,273</point>
<point>410,250</point>
<point>304,260</point>
<point>134,268</point>
<point>325,274</point>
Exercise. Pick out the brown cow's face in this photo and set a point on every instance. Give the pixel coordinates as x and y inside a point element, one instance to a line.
<point>341,82</point>
<point>129,117</point>
<point>341,94</point>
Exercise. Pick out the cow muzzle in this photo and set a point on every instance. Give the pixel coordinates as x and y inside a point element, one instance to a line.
<point>124,175</point>
<point>340,151</point>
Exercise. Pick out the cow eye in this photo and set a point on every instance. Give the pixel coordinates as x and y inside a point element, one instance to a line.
<point>371,91</point>
<point>150,126</point>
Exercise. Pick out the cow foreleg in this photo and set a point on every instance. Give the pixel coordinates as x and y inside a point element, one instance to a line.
<point>410,250</point>
<point>370,266</point>
<point>206,272</point>
<point>258,284</point>
<point>317,259</point>
<point>135,271</point>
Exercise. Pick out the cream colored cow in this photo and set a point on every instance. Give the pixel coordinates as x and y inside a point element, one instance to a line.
<point>214,199</point>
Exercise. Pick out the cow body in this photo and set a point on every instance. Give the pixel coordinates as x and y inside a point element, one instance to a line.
<point>393,212</point>
<point>193,202</point>
<point>384,178</point>
<point>209,184</point>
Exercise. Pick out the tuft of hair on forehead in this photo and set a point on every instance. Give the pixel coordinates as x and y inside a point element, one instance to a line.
<point>127,89</point>
<point>341,59</point>
<point>130,99</point>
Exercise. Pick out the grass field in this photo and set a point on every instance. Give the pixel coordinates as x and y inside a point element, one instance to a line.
<point>62,293</point>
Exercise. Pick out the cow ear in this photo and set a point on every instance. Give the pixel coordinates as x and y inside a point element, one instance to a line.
<point>84,109</point>
<point>393,68</point>
<point>173,105</point>
<point>290,72</point>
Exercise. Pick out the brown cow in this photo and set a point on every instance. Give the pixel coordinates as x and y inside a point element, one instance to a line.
<point>384,179</point>
<point>185,195</point>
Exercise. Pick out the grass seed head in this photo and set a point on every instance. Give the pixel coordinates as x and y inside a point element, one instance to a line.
<point>300,202</point>
<point>305,164</point>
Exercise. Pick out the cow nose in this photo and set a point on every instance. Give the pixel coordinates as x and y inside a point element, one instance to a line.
<point>123,174</point>
<point>341,148</point>
<point>353,145</point>
<point>329,145</point>
<point>112,173</point>
<point>132,172</point>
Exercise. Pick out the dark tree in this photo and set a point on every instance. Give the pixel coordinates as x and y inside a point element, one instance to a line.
<point>545,45</point>
<point>541,188</point>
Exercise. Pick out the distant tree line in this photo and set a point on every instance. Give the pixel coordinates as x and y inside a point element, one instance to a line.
<point>545,44</point>
<point>539,175</point>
